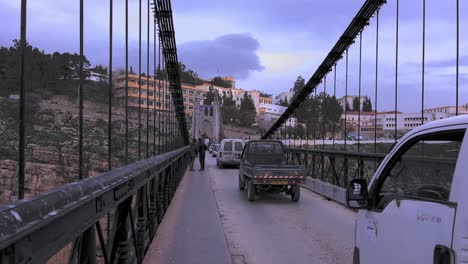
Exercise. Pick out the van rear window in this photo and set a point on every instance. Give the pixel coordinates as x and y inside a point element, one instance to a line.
<point>238,146</point>
<point>228,146</point>
<point>265,148</point>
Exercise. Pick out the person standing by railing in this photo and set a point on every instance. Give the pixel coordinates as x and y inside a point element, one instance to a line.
<point>193,152</point>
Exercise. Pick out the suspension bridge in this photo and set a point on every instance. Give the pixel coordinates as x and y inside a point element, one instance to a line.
<point>125,195</point>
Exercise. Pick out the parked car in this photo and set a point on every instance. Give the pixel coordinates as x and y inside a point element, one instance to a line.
<point>229,152</point>
<point>263,167</point>
<point>415,208</point>
<point>214,153</point>
<point>210,148</point>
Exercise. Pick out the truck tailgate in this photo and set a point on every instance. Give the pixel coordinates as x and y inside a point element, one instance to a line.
<point>277,174</point>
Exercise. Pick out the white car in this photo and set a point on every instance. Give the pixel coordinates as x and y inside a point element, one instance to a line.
<point>229,152</point>
<point>415,209</point>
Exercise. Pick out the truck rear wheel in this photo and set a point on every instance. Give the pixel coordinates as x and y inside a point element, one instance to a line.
<point>295,193</point>
<point>241,184</point>
<point>250,191</point>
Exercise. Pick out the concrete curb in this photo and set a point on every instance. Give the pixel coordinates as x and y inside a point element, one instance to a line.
<point>335,193</point>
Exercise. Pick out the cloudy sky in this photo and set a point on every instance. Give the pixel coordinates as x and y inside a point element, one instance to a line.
<point>266,44</point>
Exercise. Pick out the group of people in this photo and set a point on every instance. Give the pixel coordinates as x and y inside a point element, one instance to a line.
<point>197,149</point>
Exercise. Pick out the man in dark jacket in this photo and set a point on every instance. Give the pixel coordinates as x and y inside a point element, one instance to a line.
<point>201,153</point>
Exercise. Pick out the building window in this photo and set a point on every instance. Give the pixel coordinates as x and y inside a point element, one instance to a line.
<point>141,101</point>
<point>150,102</point>
<point>150,94</point>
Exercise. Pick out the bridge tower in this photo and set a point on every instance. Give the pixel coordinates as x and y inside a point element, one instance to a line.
<point>206,120</point>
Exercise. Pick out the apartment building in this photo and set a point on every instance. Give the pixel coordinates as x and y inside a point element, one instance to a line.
<point>155,94</point>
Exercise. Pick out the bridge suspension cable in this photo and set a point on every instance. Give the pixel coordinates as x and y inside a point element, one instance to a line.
<point>347,38</point>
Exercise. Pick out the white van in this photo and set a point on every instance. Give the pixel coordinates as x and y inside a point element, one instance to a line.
<point>229,152</point>
<point>415,209</point>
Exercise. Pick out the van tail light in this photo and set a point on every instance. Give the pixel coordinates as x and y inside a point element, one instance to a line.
<point>443,255</point>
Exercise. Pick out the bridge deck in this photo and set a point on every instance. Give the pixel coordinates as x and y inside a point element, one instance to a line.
<point>211,221</point>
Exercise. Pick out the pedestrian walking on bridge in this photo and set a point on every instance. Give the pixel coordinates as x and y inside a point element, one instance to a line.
<point>201,150</point>
<point>193,151</point>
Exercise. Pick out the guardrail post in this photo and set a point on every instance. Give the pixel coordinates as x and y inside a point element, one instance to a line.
<point>87,253</point>
<point>322,161</point>
<point>121,239</point>
<point>345,171</point>
<point>141,220</point>
<point>153,218</point>
<point>361,168</point>
<point>313,167</point>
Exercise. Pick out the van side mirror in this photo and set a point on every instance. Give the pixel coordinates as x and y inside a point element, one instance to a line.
<point>357,196</point>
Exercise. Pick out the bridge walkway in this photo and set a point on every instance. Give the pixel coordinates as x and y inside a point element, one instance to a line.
<point>211,221</point>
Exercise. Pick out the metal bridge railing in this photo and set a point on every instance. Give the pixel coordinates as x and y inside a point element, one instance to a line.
<point>136,196</point>
<point>334,166</point>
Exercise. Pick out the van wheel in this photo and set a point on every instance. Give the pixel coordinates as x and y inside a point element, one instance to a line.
<point>220,165</point>
<point>295,193</point>
<point>250,191</point>
<point>241,184</point>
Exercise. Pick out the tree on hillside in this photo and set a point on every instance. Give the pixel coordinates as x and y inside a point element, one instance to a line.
<point>187,76</point>
<point>356,104</point>
<point>266,95</point>
<point>297,88</point>
<point>330,110</point>
<point>100,69</point>
<point>347,107</point>
<point>44,70</point>
<point>367,105</point>
<point>284,102</point>
<point>298,85</point>
<point>218,81</point>
<point>210,95</point>
<point>229,110</point>
<point>247,111</point>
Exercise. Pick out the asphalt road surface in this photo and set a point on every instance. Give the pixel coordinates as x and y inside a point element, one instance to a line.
<point>211,221</point>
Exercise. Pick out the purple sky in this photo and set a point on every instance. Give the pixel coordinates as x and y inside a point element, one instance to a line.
<point>266,44</point>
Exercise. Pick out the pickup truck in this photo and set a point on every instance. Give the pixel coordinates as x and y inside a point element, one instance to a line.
<point>415,207</point>
<point>263,167</point>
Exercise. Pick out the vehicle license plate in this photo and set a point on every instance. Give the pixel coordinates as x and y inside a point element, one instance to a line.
<point>279,182</point>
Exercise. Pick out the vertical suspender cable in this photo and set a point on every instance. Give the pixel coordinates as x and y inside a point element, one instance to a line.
<point>166,117</point>
<point>315,117</point>
<point>147,78</point>
<point>154,87</point>
<point>359,92</point>
<point>334,97</point>
<point>159,95</point>
<point>22,119</point>
<point>80,91</point>
<point>423,61</point>
<point>139,84</point>
<point>376,80</point>
<point>126,81</point>
<point>109,139</point>
<point>396,66</point>
<point>346,101</point>
<point>458,57</point>
<point>323,115</point>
